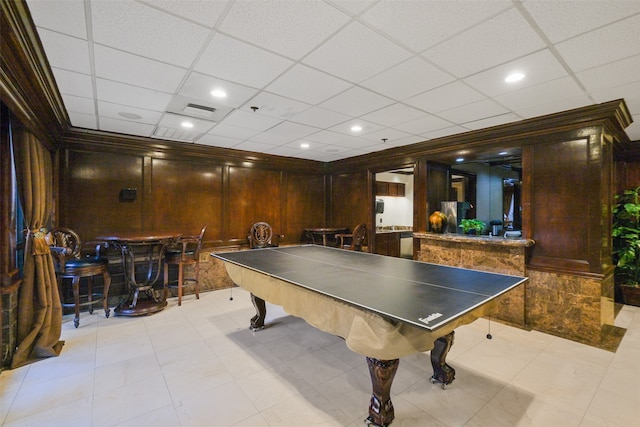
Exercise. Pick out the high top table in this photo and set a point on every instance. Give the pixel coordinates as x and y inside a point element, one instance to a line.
<point>151,246</point>
<point>384,307</point>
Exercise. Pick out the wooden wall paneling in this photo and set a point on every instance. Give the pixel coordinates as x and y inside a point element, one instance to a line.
<point>254,195</point>
<point>604,246</point>
<point>562,205</point>
<point>92,188</point>
<point>185,195</point>
<point>438,186</point>
<point>305,204</point>
<point>350,197</point>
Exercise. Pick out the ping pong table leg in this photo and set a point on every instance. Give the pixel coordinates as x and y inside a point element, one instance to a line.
<point>381,411</point>
<point>257,321</point>
<point>442,373</point>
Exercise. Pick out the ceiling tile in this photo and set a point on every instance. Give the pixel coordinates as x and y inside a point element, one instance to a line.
<point>407,140</point>
<point>81,120</point>
<point>233,131</point>
<point>554,107</point>
<point>286,151</point>
<point>131,128</point>
<point>445,97</point>
<point>611,75</point>
<point>538,67</point>
<point>408,79</point>
<point>472,112</point>
<point>218,141</point>
<point>233,60</point>
<point>354,54</point>
<point>498,40</point>
<point>558,19</point>
<point>544,93</point>
<point>146,31</point>
<point>393,115</point>
<point>345,128</point>
<point>356,102</point>
<point>352,7</point>
<point>276,106</point>
<point>133,96</point>
<point>71,83</point>
<point>199,86</point>
<point>66,52</point>
<point>424,124</point>
<point>453,130</point>
<point>291,130</point>
<point>295,84</point>
<point>630,92</point>
<point>389,134</point>
<point>253,146</point>
<point>250,120</point>
<point>420,24</point>
<point>613,42</point>
<point>320,117</point>
<point>78,104</point>
<point>203,12</point>
<point>492,121</point>
<point>127,68</point>
<point>121,112</point>
<point>65,17</point>
<point>290,27</point>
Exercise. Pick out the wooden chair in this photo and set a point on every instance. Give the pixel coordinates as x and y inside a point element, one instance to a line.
<point>261,236</point>
<point>185,252</point>
<point>354,240</point>
<point>66,248</point>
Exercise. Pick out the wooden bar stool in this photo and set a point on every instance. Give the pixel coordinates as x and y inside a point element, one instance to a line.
<point>66,247</point>
<point>185,252</point>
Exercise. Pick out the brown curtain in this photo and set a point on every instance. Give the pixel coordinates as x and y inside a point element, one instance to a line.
<point>39,309</point>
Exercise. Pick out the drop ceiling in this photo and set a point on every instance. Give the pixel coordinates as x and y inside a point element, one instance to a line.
<point>305,72</point>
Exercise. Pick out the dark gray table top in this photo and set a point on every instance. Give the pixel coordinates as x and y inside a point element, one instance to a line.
<point>425,295</point>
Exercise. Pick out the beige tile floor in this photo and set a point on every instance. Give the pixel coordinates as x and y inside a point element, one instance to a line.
<point>199,365</point>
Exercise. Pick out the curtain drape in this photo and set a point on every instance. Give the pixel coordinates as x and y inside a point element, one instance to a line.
<point>39,309</point>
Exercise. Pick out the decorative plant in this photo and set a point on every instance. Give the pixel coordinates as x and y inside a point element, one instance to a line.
<point>626,237</point>
<point>472,224</point>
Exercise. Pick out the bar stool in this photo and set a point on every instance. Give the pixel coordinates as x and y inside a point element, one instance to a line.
<point>186,251</point>
<point>66,246</point>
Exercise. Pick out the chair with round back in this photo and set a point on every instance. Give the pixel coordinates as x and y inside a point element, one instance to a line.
<point>261,236</point>
<point>186,251</point>
<point>354,240</point>
<point>66,248</point>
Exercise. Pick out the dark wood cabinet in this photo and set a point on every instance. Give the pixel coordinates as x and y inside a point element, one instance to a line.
<point>388,244</point>
<point>390,189</point>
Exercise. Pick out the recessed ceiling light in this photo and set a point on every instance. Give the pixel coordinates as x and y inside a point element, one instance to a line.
<point>503,153</point>
<point>460,159</point>
<point>304,145</point>
<point>514,77</point>
<point>356,128</point>
<point>219,93</point>
<point>187,125</point>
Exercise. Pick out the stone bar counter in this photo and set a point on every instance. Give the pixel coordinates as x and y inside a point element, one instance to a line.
<point>493,254</point>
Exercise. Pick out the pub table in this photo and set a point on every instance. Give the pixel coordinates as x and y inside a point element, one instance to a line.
<point>148,248</point>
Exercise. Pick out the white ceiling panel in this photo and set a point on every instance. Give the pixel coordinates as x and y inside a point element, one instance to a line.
<point>320,117</point>
<point>291,27</point>
<point>421,25</point>
<point>66,52</point>
<point>356,102</point>
<point>537,68</point>
<point>63,17</point>
<point>354,54</point>
<point>135,70</point>
<point>393,115</point>
<point>146,31</point>
<point>498,40</point>
<point>366,127</point>
<point>561,20</point>
<point>408,79</point>
<point>294,84</point>
<point>124,94</point>
<point>611,44</point>
<point>445,98</point>
<point>413,70</point>
<point>233,60</point>
<point>200,86</point>
<point>72,83</point>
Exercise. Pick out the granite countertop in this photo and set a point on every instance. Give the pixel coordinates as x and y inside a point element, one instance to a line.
<point>394,229</point>
<point>480,240</point>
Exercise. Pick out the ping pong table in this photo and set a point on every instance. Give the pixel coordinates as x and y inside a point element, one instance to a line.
<point>384,307</point>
